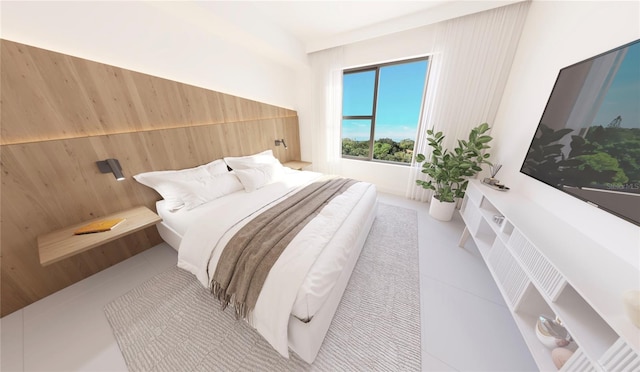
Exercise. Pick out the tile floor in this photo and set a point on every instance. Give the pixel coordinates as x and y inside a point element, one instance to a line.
<point>465,324</point>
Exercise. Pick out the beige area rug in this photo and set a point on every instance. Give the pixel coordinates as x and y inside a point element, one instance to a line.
<point>172,323</point>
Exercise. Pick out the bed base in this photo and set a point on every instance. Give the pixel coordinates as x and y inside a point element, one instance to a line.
<point>305,339</point>
<point>169,235</point>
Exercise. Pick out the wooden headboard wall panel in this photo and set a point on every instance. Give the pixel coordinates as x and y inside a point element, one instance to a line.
<point>61,114</point>
<point>79,98</point>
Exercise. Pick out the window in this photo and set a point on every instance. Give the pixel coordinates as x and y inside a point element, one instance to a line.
<point>380,110</point>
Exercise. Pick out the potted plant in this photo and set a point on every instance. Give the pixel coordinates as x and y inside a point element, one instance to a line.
<point>449,171</point>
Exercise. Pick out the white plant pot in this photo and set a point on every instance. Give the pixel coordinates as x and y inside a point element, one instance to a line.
<point>442,211</point>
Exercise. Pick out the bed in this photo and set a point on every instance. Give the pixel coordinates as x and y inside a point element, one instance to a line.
<point>303,288</point>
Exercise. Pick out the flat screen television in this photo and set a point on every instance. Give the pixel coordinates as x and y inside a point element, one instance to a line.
<point>587,143</point>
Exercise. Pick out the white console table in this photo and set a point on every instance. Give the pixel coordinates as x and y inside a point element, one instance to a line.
<point>544,266</point>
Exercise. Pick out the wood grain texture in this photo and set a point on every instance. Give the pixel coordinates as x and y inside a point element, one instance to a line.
<point>61,114</point>
<point>64,243</point>
<point>78,98</point>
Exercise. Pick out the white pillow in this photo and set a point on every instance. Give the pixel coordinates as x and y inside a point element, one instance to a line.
<point>198,192</point>
<point>170,184</point>
<point>252,161</point>
<point>255,178</point>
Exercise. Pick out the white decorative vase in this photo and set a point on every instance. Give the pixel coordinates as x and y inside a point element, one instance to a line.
<point>631,301</point>
<point>442,211</point>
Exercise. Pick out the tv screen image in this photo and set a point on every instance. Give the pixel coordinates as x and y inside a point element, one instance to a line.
<point>587,143</point>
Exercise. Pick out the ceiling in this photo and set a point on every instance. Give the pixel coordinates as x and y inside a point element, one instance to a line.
<point>323,24</point>
<point>309,21</point>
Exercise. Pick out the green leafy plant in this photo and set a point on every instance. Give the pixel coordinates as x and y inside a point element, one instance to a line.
<point>449,171</point>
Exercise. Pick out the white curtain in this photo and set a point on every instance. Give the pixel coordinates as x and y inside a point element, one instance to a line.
<point>326,108</point>
<point>470,64</point>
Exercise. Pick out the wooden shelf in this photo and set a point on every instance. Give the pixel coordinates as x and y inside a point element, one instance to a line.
<point>297,164</point>
<point>62,243</point>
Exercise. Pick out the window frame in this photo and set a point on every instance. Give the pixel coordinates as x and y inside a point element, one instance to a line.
<point>376,68</point>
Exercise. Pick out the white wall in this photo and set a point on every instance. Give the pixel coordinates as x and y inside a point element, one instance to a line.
<point>181,41</point>
<point>558,34</point>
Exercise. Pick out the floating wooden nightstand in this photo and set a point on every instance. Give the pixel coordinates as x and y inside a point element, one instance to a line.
<point>63,243</point>
<point>297,164</point>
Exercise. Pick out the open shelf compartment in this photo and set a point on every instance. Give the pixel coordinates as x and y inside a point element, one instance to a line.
<point>528,309</point>
<point>584,324</point>
<point>496,220</point>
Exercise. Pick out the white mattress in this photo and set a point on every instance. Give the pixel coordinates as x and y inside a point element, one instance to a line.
<point>181,220</point>
<point>320,279</point>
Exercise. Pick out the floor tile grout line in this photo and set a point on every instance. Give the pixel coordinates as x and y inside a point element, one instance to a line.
<point>440,360</point>
<point>502,304</point>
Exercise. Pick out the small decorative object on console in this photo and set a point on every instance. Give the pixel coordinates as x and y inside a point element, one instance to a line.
<point>632,306</point>
<point>494,184</point>
<point>493,169</point>
<point>560,356</point>
<point>551,332</point>
<point>492,181</point>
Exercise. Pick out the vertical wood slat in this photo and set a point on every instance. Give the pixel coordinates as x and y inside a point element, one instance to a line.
<point>540,269</point>
<point>579,363</point>
<point>621,358</point>
<point>473,217</point>
<point>511,278</point>
<point>60,114</point>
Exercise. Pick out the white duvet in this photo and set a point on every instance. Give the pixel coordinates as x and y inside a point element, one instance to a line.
<point>306,271</point>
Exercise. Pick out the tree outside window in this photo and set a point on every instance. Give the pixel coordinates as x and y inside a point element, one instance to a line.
<point>381,108</point>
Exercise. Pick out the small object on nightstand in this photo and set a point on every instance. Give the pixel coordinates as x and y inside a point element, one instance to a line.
<point>99,226</point>
<point>297,164</point>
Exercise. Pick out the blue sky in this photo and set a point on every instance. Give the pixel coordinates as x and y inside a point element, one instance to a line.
<point>623,97</point>
<point>399,101</point>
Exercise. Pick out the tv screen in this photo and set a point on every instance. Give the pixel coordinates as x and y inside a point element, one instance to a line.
<point>587,143</point>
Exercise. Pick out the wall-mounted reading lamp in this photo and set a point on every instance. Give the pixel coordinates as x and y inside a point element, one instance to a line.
<point>281,141</point>
<point>111,166</point>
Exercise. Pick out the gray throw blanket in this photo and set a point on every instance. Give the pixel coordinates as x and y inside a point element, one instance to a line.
<point>246,260</point>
